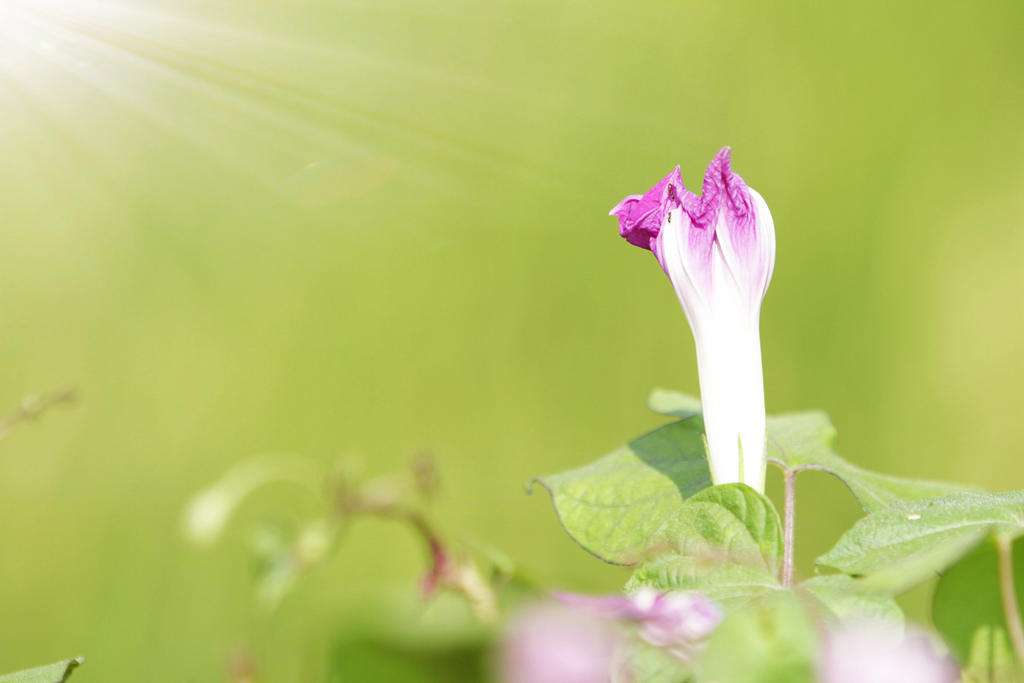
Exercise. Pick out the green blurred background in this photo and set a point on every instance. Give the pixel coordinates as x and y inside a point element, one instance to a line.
<point>380,226</point>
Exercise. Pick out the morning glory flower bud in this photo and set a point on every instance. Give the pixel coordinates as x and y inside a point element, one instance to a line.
<point>718,250</point>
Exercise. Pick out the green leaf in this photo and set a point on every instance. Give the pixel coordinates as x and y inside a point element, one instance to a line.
<point>845,599</point>
<point>905,544</point>
<point>727,583</point>
<point>967,610</point>
<point>57,672</point>
<point>727,545</point>
<point>398,656</point>
<point>768,641</point>
<point>651,665</point>
<point>668,402</point>
<point>737,520</point>
<point>628,501</point>
<point>805,440</point>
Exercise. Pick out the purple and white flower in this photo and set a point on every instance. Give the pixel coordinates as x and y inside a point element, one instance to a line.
<point>718,250</point>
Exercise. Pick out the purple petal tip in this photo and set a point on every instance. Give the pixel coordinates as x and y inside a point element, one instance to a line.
<point>641,216</point>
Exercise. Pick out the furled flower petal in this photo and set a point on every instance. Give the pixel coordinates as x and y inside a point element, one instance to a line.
<point>641,216</point>
<point>718,250</point>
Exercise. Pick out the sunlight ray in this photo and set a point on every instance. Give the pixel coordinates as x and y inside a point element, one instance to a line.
<point>285,120</point>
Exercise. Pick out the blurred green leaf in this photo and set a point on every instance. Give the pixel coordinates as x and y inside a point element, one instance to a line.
<point>905,544</point>
<point>57,672</point>
<point>727,544</point>
<point>628,501</point>
<point>210,510</point>
<point>651,665</point>
<point>674,403</point>
<point>844,598</point>
<point>370,658</point>
<point>805,440</point>
<point>967,610</point>
<point>767,641</point>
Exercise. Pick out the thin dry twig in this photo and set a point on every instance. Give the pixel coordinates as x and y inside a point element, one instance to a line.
<point>34,405</point>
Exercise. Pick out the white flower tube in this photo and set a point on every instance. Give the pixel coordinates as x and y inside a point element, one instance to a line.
<point>718,250</point>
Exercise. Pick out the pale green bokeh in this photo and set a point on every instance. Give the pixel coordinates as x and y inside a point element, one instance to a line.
<point>375,227</point>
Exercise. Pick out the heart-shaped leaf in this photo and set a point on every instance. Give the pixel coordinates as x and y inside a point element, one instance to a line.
<point>727,546</point>
<point>628,501</point>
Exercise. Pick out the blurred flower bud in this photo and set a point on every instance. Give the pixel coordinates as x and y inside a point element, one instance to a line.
<point>425,475</point>
<point>553,644</point>
<point>679,622</point>
<point>876,652</point>
<point>206,515</point>
<point>314,542</point>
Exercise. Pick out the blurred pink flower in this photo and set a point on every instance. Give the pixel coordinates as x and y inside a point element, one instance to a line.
<point>678,622</point>
<point>553,644</point>
<point>718,250</point>
<point>868,652</point>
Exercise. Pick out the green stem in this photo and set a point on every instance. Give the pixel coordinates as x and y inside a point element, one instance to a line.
<point>1011,609</point>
